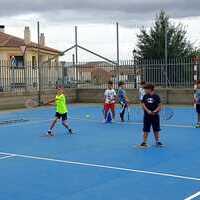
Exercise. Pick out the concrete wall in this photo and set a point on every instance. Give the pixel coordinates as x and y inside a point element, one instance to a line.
<point>170,96</point>
<point>180,96</point>
<point>17,100</point>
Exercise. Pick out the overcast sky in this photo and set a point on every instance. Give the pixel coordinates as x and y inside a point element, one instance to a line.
<point>96,21</point>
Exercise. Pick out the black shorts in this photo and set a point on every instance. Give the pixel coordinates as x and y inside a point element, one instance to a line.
<point>198,108</point>
<point>62,116</point>
<point>151,121</point>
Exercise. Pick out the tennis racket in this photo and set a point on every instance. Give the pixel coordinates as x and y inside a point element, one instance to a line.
<point>33,103</point>
<point>108,117</point>
<point>128,112</point>
<point>126,107</point>
<point>166,113</point>
<point>138,114</point>
<point>103,112</point>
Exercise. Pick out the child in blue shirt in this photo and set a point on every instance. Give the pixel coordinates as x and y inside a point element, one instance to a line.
<point>122,99</point>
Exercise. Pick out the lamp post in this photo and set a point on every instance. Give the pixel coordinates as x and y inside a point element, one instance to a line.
<point>134,52</point>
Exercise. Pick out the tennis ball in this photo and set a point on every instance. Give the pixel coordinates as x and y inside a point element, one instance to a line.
<point>87,116</point>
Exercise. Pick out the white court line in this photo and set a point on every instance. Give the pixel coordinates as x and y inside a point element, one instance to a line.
<point>4,157</point>
<point>193,196</point>
<point>103,166</point>
<point>135,123</point>
<point>27,123</point>
<point>98,121</point>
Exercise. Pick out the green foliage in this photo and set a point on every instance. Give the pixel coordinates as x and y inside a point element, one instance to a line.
<point>151,44</point>
<point>196,52</point>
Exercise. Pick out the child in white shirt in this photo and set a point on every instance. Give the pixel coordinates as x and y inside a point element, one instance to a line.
<point>141,90</point>
<point>109,100</point>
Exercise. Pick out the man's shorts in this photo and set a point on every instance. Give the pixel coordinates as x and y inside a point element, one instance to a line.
<point>151,121</point>
<point>109,106</point>
<point>198,108</point>
<point>62,116</point>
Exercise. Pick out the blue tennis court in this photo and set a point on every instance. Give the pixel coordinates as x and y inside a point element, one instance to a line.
<point>99,162</point>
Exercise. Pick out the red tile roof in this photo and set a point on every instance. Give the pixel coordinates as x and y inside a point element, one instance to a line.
<point>7,40</point>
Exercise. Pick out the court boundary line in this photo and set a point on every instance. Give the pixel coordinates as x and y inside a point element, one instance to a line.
<point>109,167</point>
<point>193,196</point>
<point>134,123</point>
<point>99,121</point>
<point>5,157</point>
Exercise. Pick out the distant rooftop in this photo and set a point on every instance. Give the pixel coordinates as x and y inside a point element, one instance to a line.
<point>7,40</point>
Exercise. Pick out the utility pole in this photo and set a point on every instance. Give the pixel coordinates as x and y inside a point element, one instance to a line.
<point>118,64</point>
<point>76,53</point>
<point>38,63</point>
<point>76,44</point>
<point>117,31</point>
<point>166,55</point>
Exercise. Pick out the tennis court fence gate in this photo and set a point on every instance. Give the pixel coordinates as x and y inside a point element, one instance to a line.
<point>178,73</point>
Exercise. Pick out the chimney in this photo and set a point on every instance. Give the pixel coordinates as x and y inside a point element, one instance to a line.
<point>2,28</point>
<point>42,40</point>
<point>27,35</point>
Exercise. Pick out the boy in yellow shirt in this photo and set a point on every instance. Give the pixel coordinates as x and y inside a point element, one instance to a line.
<point>61,111</point>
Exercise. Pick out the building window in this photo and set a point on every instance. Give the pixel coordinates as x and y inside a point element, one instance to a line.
<point>17,61</point>
<point>34,62</point>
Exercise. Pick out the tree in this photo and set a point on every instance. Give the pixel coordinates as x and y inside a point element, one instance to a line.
<point>152,44</point>
<point>196,52</point>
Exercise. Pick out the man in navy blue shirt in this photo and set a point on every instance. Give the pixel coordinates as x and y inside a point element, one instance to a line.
<point>151,104</point>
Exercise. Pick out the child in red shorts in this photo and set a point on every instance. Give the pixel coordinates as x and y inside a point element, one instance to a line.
<point>109,101</point>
